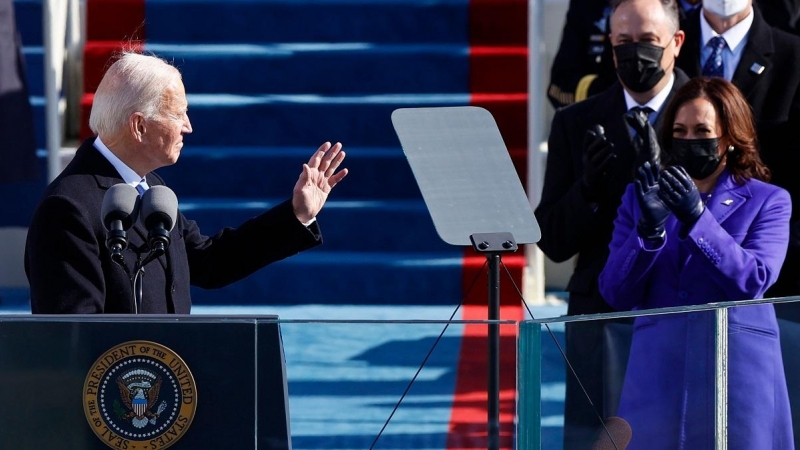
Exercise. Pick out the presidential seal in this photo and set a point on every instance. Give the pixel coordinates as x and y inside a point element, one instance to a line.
<point>139,395</point>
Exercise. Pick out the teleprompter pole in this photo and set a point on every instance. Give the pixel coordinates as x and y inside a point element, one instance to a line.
<point>493,245</point>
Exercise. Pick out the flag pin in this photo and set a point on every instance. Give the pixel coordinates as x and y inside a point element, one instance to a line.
<point>757,68</point>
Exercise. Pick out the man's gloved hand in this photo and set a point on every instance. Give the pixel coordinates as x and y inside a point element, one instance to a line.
<point>654,211</point>
<point>598,157</point>
<point>644,139</point>
<point>677,190</point>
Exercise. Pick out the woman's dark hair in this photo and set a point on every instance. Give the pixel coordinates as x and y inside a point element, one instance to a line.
<point>735,115</point>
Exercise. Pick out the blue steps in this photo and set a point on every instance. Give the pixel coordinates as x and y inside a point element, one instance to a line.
<point>236,21</point>
<point>292,75</point>
<point>34,69</point>
<point>402,226</point>
<point>18,199</point>
<point>291,119</point>
<point>268,81</point>
<point>28,15</point>
<point>348,278</point>
<point>322,68</point>
<point>255,172</point>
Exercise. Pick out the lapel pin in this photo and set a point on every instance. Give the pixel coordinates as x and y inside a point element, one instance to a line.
<point>728,202</point>
<point>757,68</point>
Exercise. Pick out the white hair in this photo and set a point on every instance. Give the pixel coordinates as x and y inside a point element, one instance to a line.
<point>134,83</point>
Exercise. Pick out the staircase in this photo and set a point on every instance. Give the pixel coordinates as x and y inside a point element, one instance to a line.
<point>270,80</point>
<point>18,199</point>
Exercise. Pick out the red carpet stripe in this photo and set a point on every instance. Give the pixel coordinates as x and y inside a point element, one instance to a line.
<point>468,421</point>
<point>498,83</point>
<point>111,26</point>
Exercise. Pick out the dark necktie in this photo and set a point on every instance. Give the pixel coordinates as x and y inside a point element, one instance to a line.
<point>644,109</point>
<point>713,66</point>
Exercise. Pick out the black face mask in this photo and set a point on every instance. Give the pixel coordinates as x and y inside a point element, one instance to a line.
<point>700,157</point>
<point>639,65</point>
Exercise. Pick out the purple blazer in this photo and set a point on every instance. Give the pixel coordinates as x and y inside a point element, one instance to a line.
<point>733,252</point>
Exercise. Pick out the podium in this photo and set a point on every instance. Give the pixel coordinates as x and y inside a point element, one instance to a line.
<point>94,382</point>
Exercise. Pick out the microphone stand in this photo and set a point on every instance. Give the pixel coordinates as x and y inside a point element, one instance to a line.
<point>137,283</point>
<point>493,245</point>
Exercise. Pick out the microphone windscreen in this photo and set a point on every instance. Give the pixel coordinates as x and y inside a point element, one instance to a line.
<point>119,203</point>
<point>619,433</point>
<point>159,205</point>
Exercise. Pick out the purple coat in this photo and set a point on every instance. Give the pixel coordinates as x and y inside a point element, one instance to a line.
<point>733,252</point>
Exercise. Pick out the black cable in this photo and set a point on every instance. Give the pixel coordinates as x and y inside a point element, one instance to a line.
<point>138,285</point>
<point>430,352</point>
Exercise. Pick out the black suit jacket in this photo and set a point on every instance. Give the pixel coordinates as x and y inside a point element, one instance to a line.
<point>70,269</point>
<point>569,224</point>
<point>775,97</point>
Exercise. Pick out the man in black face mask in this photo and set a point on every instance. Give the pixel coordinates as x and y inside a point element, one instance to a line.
<point>590,162</point>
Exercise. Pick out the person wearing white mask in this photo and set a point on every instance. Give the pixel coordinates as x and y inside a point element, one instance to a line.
<point>764,63</point>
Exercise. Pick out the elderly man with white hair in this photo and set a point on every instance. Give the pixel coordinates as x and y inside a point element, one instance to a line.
<point>140,116</point>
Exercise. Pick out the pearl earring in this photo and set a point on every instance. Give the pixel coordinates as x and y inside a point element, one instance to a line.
<point>730,149</point>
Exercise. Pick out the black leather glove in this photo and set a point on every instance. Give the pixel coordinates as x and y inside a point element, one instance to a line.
<point>677,190</point>
<point>654,211</point>
<point>598,156</point>
<point>644,139</point>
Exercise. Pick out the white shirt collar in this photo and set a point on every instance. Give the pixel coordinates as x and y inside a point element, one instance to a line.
<point>656,102</point>
<point>128,175</point>
<point>733,36</point>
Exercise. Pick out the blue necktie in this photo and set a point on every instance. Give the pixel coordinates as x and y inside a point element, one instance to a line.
<point>713,66</point>
<point>140,188</point>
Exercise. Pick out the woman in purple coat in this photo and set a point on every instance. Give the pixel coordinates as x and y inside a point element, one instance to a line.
<point>708,228</point>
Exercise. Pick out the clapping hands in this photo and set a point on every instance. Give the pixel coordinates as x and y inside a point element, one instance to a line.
<point>658,195</point>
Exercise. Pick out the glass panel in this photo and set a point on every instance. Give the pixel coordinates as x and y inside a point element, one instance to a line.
<point>657,378</point>
<point>397,384</point>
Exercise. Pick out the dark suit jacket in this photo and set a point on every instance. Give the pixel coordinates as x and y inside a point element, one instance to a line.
<point>569,224</point>
<point>70,269</point>
<point>774,94</point>
<point>775,98</point>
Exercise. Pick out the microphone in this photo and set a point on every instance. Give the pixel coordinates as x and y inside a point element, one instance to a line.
<point>160,210</point>
<point>118,213</point>
<point>615,435</point>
